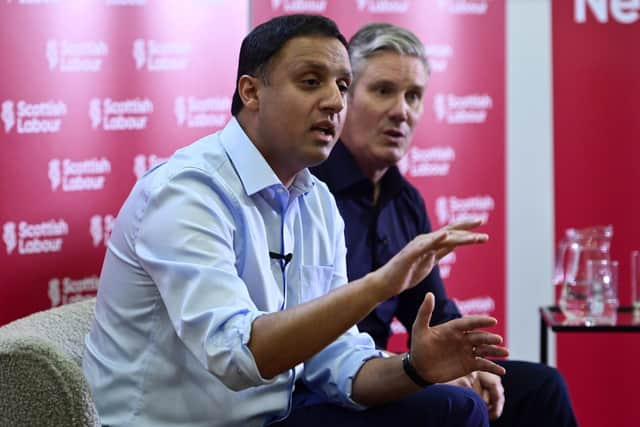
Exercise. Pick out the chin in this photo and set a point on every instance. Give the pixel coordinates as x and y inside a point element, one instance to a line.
<point>318,157</point>
<point>391,156</point>
<point>317,160</point>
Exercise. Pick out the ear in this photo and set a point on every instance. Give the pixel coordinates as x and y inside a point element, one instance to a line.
<point>248,89</point>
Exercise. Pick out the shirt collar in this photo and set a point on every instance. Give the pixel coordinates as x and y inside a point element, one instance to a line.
<point>341,172</point>
<point>252,168</point>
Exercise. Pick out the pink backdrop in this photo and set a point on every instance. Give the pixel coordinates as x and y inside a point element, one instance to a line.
<point>596,132</point>
<point>96,92</point>
<point>91,95</point>
<point>457,160</point>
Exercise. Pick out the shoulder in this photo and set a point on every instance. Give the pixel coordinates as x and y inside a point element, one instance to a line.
<point>414,205</point>
<point>201,169</point>
<point>412,195</point>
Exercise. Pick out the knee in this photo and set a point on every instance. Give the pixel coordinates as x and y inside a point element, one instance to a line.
<point>468,408</point>
<point>552,381</point>
<point>455,406</point>
<point>556,392</point>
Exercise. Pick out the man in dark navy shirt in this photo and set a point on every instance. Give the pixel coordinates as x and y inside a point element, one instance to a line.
<point>383,211</point>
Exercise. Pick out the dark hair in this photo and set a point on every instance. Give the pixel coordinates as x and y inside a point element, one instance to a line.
<point>265,40</point>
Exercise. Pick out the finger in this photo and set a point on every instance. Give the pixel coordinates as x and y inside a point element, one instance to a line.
<point>491,351</point>
<point>499,405</point>
<point>486,396</point>
<point>496,396</point>
<point>429,241</point>
<point>469,323</point>
<point>465,225</point>
<point>478,338</point>
<point>449,239</point>
<point>477,387</point>
<point>423,318</point>
<point>420,245</point>
<point>461,237</point>
<point>493,412</point>
<point>482,364</point>
<point>449,247</point>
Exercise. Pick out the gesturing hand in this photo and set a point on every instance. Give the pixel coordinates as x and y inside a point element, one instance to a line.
<point>455,348</point>
<point>418,257</point>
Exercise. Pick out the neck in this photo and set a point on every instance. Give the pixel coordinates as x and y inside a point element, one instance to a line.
<point>245,122</point>
<point>376,192</point>
<point>367,167</point>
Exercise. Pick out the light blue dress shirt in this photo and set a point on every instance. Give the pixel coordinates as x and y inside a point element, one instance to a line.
<point>187,271</point>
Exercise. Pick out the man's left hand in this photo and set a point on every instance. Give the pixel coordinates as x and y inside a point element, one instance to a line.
<point>489,387</point>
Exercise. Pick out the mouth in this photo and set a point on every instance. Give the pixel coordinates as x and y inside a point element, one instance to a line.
<point>394,133</point>
<point>324,128</point>
<point>324,132</point>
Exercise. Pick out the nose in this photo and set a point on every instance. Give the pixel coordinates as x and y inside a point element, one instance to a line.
<point>399,111</point>
<point>333,100</point>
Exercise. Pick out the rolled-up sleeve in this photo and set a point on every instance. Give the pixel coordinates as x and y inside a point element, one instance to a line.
<point>332,371</point>
<point>185,243</point>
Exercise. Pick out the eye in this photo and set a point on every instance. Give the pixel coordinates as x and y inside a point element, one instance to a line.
<point>311,82</point>
<point>383,89</point>
<point>343,86</point>
<point>414,97</point>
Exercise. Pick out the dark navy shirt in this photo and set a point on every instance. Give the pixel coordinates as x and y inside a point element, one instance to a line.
<point>375,233</point>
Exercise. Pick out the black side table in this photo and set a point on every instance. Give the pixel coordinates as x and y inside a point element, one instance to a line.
<point>551,317</point>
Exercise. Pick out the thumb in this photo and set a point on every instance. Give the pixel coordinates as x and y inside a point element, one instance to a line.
<point>423,318</point>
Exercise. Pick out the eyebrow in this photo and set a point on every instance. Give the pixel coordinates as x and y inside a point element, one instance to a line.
<point>390,82</point>
<point>319,66</point>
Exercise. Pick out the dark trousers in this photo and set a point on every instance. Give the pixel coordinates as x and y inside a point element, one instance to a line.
<point>435,406</point>
<point>535,395</point>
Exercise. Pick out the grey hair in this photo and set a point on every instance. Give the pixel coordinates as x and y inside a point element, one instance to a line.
<point>379,37</point>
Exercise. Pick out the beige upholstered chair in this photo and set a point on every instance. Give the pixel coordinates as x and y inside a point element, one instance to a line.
<point>41,380</point>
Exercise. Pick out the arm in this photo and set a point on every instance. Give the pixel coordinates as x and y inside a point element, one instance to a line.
<point>331,315</point>
<point>210,306</point>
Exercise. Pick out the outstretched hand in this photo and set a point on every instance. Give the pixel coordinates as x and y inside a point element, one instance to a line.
<point>455,348</point>
<point>412,264</point>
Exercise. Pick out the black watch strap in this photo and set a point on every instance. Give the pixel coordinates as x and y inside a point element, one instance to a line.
<point>412,373</point>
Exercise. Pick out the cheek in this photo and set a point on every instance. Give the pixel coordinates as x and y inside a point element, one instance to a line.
<point>414,118</point>
<point>343,116</point>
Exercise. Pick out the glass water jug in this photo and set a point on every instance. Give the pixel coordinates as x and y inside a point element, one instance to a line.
<point>576,248</point>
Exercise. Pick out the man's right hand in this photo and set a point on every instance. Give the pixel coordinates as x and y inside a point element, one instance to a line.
<point>453,349</point>
<point>416,260</point>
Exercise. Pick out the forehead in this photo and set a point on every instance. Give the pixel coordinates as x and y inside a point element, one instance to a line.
<point>394,67</point>
<point>312,51</point>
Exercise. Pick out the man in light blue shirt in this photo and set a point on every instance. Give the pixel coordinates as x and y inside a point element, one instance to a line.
<point>222,286</point>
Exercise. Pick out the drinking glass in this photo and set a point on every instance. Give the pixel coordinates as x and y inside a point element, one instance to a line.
<point>602,292</point>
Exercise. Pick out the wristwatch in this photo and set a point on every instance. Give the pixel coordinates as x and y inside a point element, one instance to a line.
<point>412,373</point>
